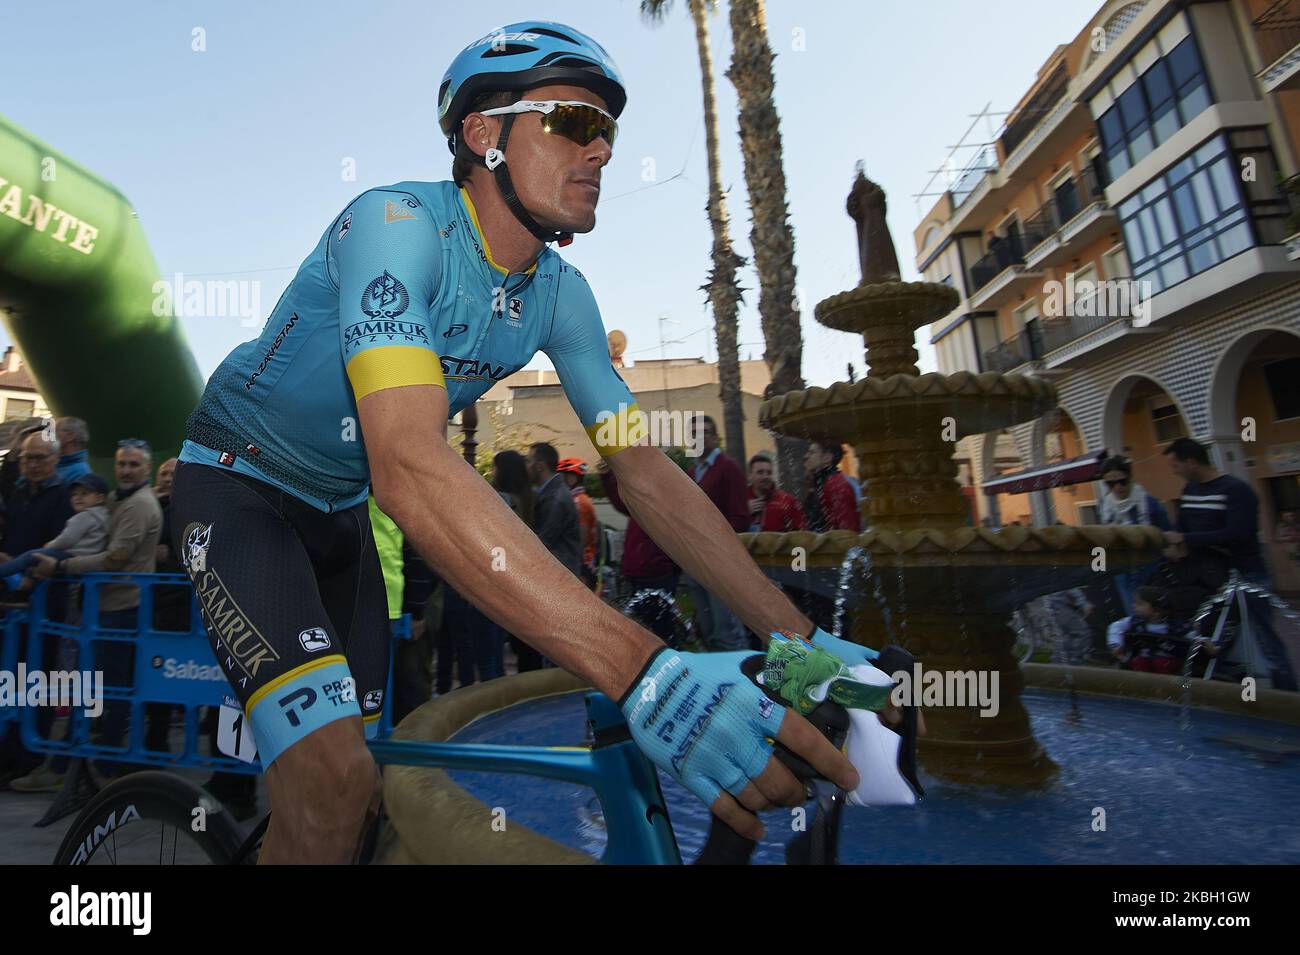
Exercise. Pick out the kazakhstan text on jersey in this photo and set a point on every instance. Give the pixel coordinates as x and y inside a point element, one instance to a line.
<point>401,289</point>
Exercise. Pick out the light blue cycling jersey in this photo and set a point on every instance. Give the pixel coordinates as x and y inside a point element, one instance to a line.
<point>402,289</point>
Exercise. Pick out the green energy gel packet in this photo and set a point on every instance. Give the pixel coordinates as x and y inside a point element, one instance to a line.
<point>805,676</point>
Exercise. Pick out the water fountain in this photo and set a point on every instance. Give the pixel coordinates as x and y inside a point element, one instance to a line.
<point>943,589</point>
<point>921,577</point>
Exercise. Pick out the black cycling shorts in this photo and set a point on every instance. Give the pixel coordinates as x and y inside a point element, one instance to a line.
<point>292,598</point>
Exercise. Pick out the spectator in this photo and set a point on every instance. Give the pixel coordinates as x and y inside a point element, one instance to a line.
<point>38,508</point>
<point>557,516</point>
<point>510,477</point>
<point>721,480</point>
<point>11,468</point>
<point>133,549</point>
<point>1126,502</point>
<point>771,509</point>
<point>1218,520</point>
<point>645,566</point>
<point>74,437</point>
<point>40,504</point>
<point>574,470</point>
<point>1151,640</point>
<point>830,504</point>
<point>168,562</point>
<point>86,532</point>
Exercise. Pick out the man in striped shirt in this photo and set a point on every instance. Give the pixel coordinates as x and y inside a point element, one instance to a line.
<point>1220,513</point>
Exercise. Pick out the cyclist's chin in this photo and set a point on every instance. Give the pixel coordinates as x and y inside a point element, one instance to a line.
<point>576,219</point>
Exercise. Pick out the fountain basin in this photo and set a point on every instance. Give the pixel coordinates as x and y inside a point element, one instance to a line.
<point>1168,795</point>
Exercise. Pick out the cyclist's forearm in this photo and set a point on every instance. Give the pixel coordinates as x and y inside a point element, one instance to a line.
<point>472,540</point>
<point>681,519</point>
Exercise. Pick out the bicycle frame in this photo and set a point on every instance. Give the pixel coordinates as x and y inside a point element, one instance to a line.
<point>636,819</point>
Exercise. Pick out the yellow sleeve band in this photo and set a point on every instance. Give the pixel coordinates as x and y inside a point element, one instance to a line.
<point>393,366</point>
<point>616,430</point>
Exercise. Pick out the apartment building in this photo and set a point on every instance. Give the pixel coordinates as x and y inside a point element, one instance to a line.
<point>1131,235</point>
<point>19,398</point>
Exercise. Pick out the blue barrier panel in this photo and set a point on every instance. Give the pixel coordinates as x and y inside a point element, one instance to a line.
<point>10,636</point>
<point>146,672</point>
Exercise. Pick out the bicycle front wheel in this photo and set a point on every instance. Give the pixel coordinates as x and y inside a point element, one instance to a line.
<point>151,818</point>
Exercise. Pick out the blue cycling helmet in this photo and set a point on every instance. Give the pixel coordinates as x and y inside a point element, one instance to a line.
<point>522,56</point>
<point>512,59</point>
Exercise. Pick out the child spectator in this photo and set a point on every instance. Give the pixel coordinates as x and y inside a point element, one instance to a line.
<point>1152,640</point>
<point>86,532</point>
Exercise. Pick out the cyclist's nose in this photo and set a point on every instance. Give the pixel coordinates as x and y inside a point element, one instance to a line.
<point>600,151</point>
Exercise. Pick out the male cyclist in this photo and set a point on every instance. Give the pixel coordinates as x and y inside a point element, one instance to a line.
<point>417,297</point>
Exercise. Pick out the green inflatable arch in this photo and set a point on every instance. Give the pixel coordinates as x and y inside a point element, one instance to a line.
<point>77,295</point>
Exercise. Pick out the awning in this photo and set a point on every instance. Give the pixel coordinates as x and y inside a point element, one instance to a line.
<point>1086,467</point>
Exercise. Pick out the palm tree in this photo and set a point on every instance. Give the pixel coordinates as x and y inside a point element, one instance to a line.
<point>724,293</point>
<point>770,234</point>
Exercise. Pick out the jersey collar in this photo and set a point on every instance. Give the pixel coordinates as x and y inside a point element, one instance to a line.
<point>487,251</point>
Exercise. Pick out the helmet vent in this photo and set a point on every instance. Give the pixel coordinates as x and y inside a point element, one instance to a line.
<point>559,36</point>
<point>566,59</point>
<point>509,49</point>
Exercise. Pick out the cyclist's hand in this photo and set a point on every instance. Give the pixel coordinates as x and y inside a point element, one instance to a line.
<point>854,654</point>
<point>702,721</point>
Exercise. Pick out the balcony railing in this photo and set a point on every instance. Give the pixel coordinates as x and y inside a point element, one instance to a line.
<point>1277,30</point>
<point>1057,211</point>
<point>984,162</point>
<point>1025,345</point>
<point>1008,251</point>
<point>1035,110</point>
<point>1058,331</point>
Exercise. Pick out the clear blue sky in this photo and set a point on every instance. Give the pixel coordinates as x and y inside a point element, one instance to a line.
<point>232,156</point>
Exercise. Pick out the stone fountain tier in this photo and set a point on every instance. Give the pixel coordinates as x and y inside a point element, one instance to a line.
<point>910,303</point>
<point>955,569</point>
<point>900,404</point>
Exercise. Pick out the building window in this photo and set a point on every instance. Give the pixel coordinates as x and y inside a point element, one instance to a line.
<point>19,408</point>
<point>1283,379</point>
<point>1168,422</point>
<point>1160,102</point>
<point>1116,263</point>
<point>1197,215</point>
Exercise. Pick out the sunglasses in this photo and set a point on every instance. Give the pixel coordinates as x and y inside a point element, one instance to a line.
<point>1120,483</point>
<point>576,121</point>
<point>134,443</point>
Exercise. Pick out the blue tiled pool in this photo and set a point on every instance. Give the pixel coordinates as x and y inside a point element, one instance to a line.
<point>1170,796</point>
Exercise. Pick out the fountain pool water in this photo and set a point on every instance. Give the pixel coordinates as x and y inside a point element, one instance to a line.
<point>1168,796</point>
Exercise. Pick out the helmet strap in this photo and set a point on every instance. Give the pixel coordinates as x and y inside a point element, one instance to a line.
<point>495,162</point>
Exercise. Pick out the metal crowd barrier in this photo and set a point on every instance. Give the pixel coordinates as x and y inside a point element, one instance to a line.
<point>142,667</point>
